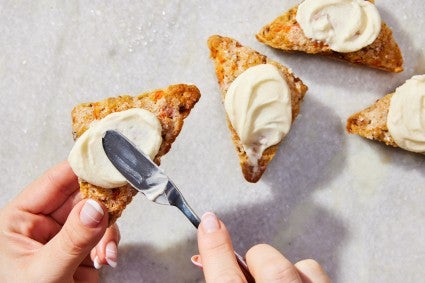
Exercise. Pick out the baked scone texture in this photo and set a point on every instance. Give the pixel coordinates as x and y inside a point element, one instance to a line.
<point>371,122</point>
<point>170,105</point>
<point>286,34</point>
<point>230,60</point>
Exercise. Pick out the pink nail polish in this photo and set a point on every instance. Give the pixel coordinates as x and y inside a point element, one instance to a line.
<point>209,222</point>
<point>111,253</point>
<point>91,214</point>
<point>96,263</point>
<point>196,260</point>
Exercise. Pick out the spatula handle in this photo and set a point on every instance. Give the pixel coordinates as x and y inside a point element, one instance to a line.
<point>176,199</point>
<point>244,268</point>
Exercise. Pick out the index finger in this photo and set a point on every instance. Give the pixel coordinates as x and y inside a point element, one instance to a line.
<point>50,191</point>
<point>217,254</point>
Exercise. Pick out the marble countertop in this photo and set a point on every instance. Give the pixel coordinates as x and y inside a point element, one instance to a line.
<point>354,205</point>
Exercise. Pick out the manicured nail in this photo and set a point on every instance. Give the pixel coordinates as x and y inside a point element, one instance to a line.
<point>111,254</point>
<point>97,263</point>
<point>91,214</point>
<point>210,222</point>
<point>196,260</point>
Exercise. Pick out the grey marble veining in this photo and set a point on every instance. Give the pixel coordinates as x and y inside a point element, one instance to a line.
<point>355,206</point>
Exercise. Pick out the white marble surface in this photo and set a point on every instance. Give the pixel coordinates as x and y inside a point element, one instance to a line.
<point>355,206</point>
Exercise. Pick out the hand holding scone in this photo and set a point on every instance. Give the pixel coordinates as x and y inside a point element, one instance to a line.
<point>265,263</point>
<point>48,233</point>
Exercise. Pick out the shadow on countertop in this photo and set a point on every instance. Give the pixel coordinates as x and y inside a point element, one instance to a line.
<point>144,263</point>
<point>402,159</point>
<point>311,156</point>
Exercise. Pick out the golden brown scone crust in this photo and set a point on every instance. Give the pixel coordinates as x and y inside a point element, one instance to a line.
<point>230,60</point>
<point>371,122</point>
<point>170,105</point>
<point>285,33</point>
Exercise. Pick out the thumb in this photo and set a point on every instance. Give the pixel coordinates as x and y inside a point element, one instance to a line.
<point>82,230</point>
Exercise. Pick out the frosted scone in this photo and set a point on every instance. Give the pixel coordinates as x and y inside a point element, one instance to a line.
<point>397,119</point>
<point>261,97</point>
<point>151,120</point>
<point>349,30</point>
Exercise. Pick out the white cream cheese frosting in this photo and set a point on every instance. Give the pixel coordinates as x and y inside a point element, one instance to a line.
<point>406,116</point>
<point>88,159</point>
<point>345,25</point>
<point>258,105</point>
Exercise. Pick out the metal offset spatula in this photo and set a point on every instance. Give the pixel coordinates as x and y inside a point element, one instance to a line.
<point>146,177</point>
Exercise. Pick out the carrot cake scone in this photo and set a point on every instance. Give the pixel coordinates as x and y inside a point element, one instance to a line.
<point>261,97</point>
<point>397,119</point>
<point>349,30</point>
<point>151,120</point>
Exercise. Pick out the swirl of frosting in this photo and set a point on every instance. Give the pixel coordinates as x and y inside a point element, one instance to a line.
<point>88,159</point>
<point>258,105</point>
<point>345,25</point>
<point>406,116</point>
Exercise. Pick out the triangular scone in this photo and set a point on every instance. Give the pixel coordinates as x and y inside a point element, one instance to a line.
<point>230,60</point>
<point>371,123</point>
<point>170,105</point>
<point>285,33</point>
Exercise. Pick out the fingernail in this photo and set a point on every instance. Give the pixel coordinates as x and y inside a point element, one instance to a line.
<point>196,260</point>
<point>91,214</point>
<point>97,263</point>
<point>93,253</point>
<point>111,254</point>
<point>210,222</point>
